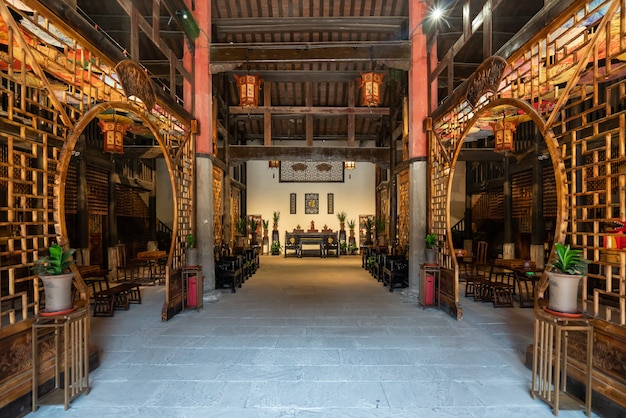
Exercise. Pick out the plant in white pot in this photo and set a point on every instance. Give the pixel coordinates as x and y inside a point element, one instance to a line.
<point>53,271</point>
<point>568,267</point>
<point>430,253</point>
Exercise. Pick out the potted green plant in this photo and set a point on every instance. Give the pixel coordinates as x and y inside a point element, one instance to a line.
<point>342,220</point>
<point>381,226</point>
<point>266,240</point>
<point>430,253</point>
<point>53,270</point>
<point>275,219</point>
<point>240,231</point>
<point>253,223</point>
<point>266,225</point>
<point>567,268</point>
<point>276,248</point>
<point>369,224</point>
<point>191,252</point>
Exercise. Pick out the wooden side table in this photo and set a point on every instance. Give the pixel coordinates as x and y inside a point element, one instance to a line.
<point>69,334</point>
<point>549,380</point>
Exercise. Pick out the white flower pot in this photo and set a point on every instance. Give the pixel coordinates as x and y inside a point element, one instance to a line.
<point>563,292</point>
<point>192,256</point>
<point>58,291</point>
<point>430,256</point>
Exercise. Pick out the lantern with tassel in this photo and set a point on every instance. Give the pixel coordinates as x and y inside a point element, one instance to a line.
<point>370,88</point>
<point>248,86</point>
<point>114,128</point>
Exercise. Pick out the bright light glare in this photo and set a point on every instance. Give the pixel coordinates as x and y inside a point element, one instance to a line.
<point>437,13</point>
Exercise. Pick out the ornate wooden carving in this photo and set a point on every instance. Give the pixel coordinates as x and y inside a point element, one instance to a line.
<point>136,82</point>
<point>486,79</point>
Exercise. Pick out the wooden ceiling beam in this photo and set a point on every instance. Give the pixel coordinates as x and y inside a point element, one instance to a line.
<point>313,110</point>
<point>293,52</point>
<point>380,24</point>
<point>238,153</point>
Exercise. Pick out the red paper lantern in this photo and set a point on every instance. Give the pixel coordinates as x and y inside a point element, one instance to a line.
<point>370,88</point>
<point>114,128</point>
<point>503,133</point>
<point>248,86</point>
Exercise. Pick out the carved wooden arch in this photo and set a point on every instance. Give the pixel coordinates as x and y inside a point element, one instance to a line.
<point>555,154</point>
<point>66,153</point>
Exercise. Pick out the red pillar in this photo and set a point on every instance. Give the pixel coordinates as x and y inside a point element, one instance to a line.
<point>418,81</point>
<point>198,98</point>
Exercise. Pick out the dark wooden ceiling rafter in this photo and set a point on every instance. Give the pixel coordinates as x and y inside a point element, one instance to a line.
<point>339,24</point>
<point>294,52</point>
<point>375,155</point>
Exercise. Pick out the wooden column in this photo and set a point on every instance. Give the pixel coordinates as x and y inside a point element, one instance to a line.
<point>393,187</point>
<point>351,116</point>
<point>508,246</point>
<point>82,214</point>
<point>112,230</point>
<point>538,225</point>
<point>267,115</point>
<point>308,119</point>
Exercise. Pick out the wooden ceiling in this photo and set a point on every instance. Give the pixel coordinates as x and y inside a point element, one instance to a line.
<point>309,54</point>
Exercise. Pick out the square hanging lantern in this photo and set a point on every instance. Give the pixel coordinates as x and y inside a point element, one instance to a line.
<point>349,165</point>
<point>114,128</point>
<point>274,164</point>
<point>503,133</point>
<point>370,88</point>
<point>248,86</point>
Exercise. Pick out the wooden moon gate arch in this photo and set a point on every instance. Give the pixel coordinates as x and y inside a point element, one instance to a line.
<point>64,161</point>
<point>558,166</point>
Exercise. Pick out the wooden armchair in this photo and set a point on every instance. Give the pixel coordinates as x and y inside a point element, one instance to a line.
<point>331,244</point>
<point>229,273</point>
<point>123,268</point>
<point>395,271</point>
<point>291,244</point>
<point>479,270</point>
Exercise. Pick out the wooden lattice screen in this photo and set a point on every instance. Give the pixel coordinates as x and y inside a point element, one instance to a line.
<point>48,83</point>
<point>571,80</point>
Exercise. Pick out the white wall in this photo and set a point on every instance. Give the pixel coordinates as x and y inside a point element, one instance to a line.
<point>355,196</point>
<point>164,197</point>
<point>457,195</point>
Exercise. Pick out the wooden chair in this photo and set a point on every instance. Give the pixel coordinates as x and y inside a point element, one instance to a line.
<point>479,270</point>
<point>124,268</point>
<point>395,271</point>
<point>498,288</point>
<point>229,273</point>
<point>331,244</point>
<point>526,288</point>
<point>291,244</point>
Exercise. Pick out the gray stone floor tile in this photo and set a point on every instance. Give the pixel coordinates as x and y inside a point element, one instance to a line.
<point>309,338</point>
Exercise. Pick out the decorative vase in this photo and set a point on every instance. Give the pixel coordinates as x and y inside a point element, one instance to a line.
<point>563,292</point>
<point>192,256</point>
<point>430,256</point>
<point>58,291</point>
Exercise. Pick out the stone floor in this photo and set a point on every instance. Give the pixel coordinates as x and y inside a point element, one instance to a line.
<point>310,338</point>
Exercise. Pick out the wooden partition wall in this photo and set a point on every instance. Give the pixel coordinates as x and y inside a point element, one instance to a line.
<point>570,80</point>
<point>51,87</point>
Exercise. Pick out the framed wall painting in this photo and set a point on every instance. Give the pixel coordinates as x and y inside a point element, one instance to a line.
<point>311,203</point>
<point>331,203</point>
<point>292,203</point>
